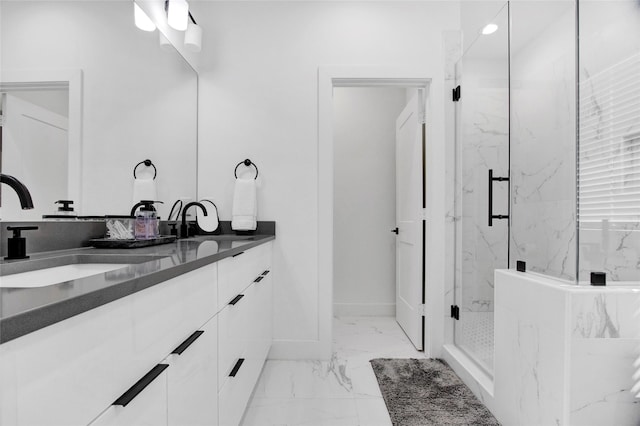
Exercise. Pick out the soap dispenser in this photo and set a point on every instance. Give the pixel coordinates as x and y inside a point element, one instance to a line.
<point>147,221</point>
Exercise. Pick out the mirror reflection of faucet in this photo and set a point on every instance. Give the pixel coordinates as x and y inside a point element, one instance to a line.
<point>23,193</point>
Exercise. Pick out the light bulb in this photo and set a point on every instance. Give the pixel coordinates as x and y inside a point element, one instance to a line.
<point>489,29</point>
<point>141,19</point>
<point>178,14</point>
<point>193,37</point>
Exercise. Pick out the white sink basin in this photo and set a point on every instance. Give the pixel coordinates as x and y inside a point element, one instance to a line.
<point>57,274</point>
<point>47,271</point>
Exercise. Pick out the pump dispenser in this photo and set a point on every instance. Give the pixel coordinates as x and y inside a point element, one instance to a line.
<point>147,222</point>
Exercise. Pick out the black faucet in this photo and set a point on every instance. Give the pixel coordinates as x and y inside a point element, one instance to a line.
<point>184,229</point>
<point>23,193</point>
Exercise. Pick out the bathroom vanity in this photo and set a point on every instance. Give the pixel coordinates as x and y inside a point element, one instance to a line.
<point>177,337</point>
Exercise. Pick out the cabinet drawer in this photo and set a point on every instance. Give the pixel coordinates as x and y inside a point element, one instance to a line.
<point>235,324</point>
<point>234,395</point>
<point>148,408</point>
<point>193,379</point>
<point>261,332</point>
<point>236,273</point>
<point>168,313</point>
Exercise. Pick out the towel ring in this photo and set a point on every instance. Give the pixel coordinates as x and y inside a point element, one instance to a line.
<point>147,163</point>
<point>247,163</point>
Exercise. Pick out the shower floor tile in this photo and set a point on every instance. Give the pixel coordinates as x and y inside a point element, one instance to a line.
<point>474,334</point>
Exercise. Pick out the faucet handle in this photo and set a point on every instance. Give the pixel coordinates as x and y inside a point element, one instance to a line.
<point>17,246</point>
<point>17,229</point>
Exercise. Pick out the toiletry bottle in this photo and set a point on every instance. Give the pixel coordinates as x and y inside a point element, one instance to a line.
<point>143,220</point>
<point>147,220</point>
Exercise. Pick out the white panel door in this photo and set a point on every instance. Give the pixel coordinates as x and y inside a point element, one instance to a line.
<point>409,217</point>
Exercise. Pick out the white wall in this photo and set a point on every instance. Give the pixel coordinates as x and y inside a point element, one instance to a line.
<point>258,99</point>
<point>364,199</point>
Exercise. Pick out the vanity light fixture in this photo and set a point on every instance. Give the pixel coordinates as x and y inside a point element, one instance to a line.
<point>165,44</point>
<point>141,19</point>
<point>193,36</point>
<point>489,29</point>
<point>177,14</point>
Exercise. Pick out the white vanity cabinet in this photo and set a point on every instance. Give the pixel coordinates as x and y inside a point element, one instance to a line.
<point>70,373</point>
<point>244,332</point>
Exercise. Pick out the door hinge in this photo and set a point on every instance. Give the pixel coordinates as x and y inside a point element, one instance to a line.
<point>423,309</point>
<point>456,94</point>
<point>455,312</point>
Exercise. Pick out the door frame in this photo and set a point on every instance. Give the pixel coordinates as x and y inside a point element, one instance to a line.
<point>382,76</point>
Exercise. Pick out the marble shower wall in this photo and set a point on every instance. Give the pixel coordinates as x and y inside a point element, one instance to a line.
<point>543,137</point>
<point>609,54</point>
<point>570,363</point>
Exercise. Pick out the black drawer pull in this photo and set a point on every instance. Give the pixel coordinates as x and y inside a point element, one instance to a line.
<point>236,299</point>
<point>257,280</point>
<point>134,390</point>
<point>236,367</point>
<point>184,345</point>
<point>266,272</point>
<point>237,254</point>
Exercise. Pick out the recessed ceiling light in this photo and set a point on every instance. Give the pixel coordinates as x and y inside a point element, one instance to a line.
<point>489,29</point>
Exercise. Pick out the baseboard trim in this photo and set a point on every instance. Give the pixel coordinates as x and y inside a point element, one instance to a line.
<point>364,309</point>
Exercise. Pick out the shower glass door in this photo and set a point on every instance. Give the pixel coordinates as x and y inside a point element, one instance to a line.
<point>482,150</point>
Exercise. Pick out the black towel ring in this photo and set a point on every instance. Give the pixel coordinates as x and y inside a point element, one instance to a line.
<point>147,163</point>
<point>247,163</point>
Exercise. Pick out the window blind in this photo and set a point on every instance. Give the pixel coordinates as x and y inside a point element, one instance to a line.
<point>609,152</point>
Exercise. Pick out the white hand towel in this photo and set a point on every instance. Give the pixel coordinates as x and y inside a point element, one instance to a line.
<point>245,209</point>
<point>144,189</point>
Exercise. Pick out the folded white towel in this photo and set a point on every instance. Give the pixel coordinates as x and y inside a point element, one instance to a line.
<point>245,209</point>
<point>144,189</point>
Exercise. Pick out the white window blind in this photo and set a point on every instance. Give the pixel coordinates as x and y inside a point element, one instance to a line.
<point>609,153</point>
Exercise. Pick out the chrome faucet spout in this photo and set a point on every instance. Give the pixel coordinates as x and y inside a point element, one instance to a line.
<point>23,193</point>
<point>184,229</point>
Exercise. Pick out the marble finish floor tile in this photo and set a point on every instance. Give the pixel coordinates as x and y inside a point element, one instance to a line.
<point>341,391</point>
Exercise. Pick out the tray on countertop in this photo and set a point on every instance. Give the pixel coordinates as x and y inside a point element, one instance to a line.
<point>129,244</point>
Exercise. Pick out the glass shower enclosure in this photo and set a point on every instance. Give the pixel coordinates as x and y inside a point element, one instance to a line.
<point>547,150</point>
<point>482,176</point>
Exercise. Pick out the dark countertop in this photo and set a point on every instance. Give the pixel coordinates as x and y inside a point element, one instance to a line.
<point>24,310</point>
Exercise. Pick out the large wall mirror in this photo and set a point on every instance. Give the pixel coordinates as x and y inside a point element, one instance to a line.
<point>86,96</point>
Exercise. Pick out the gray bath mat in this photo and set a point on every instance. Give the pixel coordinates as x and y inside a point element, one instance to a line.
<point>423,392</point>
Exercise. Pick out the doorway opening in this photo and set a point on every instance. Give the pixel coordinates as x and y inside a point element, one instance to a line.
<point>378,203</point>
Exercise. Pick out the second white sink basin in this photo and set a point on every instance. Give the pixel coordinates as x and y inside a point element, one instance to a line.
<point>57,274</point>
